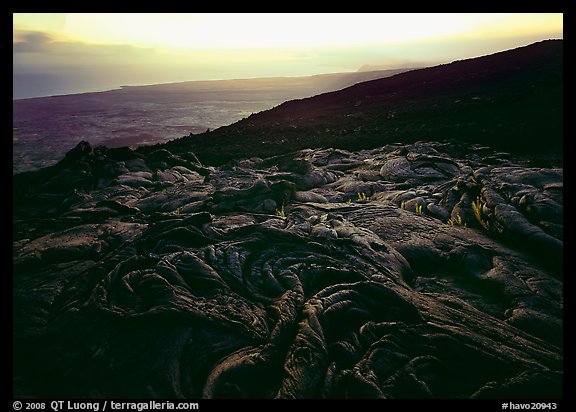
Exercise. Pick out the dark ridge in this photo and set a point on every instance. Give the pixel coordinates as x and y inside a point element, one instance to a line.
<point>511,100</point>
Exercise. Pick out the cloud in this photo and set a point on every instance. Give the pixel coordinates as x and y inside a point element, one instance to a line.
<point>36,51</point>
<point>52,47</point>
<point>31,42</point>
<point>52,65</point>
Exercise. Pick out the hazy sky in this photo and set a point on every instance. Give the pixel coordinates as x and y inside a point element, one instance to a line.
<point>55,53</point>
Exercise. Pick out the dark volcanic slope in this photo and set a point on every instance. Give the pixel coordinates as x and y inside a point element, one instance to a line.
<point>430,269</point>
<point>512,99</point>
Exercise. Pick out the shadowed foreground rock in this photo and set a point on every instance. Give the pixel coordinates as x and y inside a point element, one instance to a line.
<point>430,270</point>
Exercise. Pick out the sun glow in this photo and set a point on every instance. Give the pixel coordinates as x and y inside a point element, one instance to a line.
<point>231,30</point>
<point>280,30</point>
<point>113,49</point>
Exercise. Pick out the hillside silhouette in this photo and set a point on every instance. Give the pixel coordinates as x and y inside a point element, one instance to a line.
<point>511,99</point>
